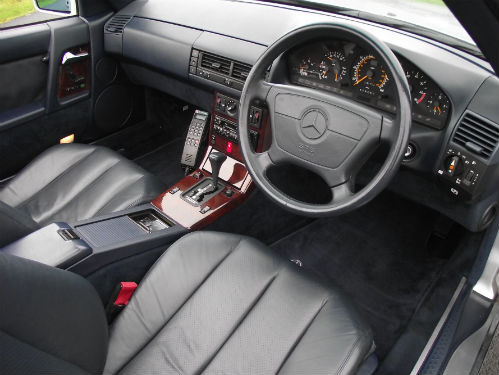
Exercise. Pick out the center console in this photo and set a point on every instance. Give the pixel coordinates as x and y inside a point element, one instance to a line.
<point>215,185</point>
<point>194,202</point>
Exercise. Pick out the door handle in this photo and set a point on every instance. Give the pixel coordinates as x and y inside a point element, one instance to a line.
<point>70,57</point>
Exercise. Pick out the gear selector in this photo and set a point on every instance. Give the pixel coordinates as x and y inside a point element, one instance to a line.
<point>208,187</point>
<point>216,160</point>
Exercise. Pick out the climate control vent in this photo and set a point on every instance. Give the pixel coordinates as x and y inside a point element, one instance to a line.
<point>117,24</point>
<point>216,63</point>
<point>240,71</point>
<point>477,135</point>
<point>218,69</point>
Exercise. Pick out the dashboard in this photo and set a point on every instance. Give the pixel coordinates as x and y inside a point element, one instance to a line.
<point>347,69</point>
<point>197,48</point>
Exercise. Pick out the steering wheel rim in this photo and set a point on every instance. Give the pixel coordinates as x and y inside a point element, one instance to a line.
<point>369,127</point>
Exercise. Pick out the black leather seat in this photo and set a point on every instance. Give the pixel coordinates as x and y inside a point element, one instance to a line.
<point>72,182</point>
<point>212,304</point>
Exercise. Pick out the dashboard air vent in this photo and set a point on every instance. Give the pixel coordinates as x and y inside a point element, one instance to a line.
<point>215,63</point>
<point>477,135</point>
<point>219,69</point>
<point>240,71</point>
<point>117,24</point>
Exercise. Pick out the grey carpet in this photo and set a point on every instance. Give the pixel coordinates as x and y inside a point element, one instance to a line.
<point>377,255</point>
<point>164,161</point>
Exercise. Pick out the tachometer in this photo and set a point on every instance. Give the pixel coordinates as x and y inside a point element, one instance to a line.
<point>369,75</point>
<point>333,66</point>
<point>438,104</point>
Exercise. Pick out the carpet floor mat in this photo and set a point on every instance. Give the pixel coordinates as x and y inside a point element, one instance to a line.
<point>377,255</point>
<point>164,162</point>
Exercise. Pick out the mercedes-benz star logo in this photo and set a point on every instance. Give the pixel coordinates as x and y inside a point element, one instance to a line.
<point>313,124</point>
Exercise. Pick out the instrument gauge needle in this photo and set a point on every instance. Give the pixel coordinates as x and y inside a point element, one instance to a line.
<point>360,80</point>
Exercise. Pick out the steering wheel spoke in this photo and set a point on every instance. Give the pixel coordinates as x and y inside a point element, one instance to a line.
<point>260,90</point>
<point>342,192</point>
<point>263,161</point>
<point>388,130</point>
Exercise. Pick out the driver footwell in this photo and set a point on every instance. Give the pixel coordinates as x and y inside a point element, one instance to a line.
<point>380,255</point>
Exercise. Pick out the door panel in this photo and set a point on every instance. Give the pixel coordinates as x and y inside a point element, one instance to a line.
<point>33,116</point>
<point>23,73</point>
<point>43,99</point>
<point>25,81</point>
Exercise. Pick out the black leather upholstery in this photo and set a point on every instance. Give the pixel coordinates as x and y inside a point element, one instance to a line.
<point>14,224</point>
<point>74,182</point>
<point>225,304</point>
<point>214,303</point>
<point>51,321</point>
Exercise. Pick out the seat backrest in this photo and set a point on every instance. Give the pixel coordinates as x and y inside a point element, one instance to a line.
<point>14,224</point>
<point>51,321</point>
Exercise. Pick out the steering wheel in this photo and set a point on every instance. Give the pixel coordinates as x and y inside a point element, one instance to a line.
<point>323,132</point>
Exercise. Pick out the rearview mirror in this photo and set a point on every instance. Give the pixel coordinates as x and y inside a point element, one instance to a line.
<point>56,6</point>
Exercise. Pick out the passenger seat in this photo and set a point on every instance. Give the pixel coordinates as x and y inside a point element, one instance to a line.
<point>72,182</point>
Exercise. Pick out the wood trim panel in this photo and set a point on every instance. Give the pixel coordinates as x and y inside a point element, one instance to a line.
<point>189,216</point>
<point>74,78</point>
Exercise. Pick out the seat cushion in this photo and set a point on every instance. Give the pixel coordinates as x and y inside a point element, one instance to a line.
<point>216,303</point>
<point>75,181</point>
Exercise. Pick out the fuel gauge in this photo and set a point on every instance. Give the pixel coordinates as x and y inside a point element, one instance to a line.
<point>308,68</point>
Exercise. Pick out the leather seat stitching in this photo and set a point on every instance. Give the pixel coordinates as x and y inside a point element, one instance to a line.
<point>350,352</point>
<point>66,171</point>
<point>302,334</point>
<point>224,258</point>
<point>242,318</point>
<point>90,184</point>
<point>121,190</point>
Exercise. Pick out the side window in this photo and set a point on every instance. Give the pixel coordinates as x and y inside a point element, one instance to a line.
<point>24,12</point>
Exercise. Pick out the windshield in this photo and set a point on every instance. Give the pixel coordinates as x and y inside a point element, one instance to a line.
<point>431,18</point>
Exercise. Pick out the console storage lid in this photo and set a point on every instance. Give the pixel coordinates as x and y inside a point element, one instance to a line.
<point>54,245</point>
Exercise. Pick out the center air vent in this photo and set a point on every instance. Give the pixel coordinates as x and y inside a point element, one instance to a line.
<point>219,69</point>
<point>117,24</point>
<point>241,71</point>
<point>477,135</point>
<point>215,63</point>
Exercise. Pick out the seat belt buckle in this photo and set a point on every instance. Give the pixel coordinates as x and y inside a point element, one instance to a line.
<point>125,291</point>
<point>119,299</point>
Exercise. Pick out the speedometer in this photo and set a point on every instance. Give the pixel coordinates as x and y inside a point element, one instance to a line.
<point>369,75</point>
<point>333,66</point>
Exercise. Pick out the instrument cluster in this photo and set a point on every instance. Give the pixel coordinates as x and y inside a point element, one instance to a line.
<point>349,70</point>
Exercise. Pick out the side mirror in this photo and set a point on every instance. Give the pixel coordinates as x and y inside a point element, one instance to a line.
<point>59,7</point>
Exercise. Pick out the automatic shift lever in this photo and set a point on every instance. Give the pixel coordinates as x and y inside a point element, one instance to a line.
<point>203,189</point>
<point>216,161</point>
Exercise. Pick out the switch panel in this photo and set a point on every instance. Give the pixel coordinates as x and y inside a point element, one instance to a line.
<point>462,172</point>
